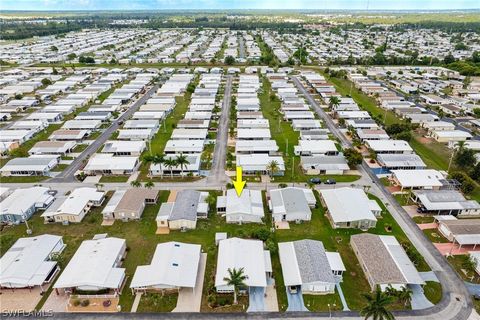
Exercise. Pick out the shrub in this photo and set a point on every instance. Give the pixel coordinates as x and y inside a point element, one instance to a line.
<point>85,303</point>
<point>75,302</point>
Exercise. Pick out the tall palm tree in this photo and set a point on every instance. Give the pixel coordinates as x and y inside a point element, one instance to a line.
<point>170,163</point>
<point>333,102</point>
<point>377,303</point>
<point>236,278</point>
<point>182,161</point>
<point>159,158</point>
<point>272,167</point>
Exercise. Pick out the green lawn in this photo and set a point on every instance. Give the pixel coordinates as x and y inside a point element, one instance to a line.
<point>456,261</point>
<point>435,155</point>
<point>319,303</point>
<point>433,291</point>
<point>80,147</point>
<point>109,178</point>
<point>60,167</point>
<point>156,302</point>
<point>423,219</point>
<point>435,236</point>
<point>26,179</point>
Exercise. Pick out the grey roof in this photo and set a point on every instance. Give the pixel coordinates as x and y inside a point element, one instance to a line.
<point>449,199</point>
<point>312,261</point>
<point>401,160</point>
<point>325,162</point>
<point>185,207</point>
<point>292,199</point>
<point>31,161</point>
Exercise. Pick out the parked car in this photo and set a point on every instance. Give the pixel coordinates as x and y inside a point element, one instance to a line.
<point>315,180</point>
<point>421,210</point>
<point>330,181</point>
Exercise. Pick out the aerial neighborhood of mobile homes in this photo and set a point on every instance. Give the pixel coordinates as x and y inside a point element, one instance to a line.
<point>228,163</point>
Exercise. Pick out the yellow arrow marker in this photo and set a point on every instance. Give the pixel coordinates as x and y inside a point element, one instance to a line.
<point>239,184</point>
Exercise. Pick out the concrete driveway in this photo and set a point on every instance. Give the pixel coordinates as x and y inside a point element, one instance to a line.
<point>419,301</point>
<point>190,300</point>
<point>20,299</point>
<point>256,299</point>
<point>295,301</point>
<point>473,288</point>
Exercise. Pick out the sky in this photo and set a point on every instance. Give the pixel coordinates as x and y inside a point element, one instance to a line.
<point>237,4</point>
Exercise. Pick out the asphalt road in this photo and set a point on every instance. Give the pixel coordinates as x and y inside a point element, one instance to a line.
<point>217,172</point>
<point>68,175</point>
<point>456,302</point>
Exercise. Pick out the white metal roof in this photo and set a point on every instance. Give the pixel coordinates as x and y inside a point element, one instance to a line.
<point>21,200</point>
<point>240,253</point>
<point>356,208</point>
<point>76,201</point>
<point>27,263</point>
<point>94,265</point>
<point>174,264</point>
<point>418,178</point>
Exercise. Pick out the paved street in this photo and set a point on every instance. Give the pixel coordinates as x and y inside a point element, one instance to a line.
<point>68,175</point>
<point>217,172</point>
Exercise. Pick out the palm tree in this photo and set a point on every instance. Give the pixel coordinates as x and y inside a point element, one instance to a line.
<point>272,167</point>
<point>236,278</point>
<point>182,161</point>
<point>149,184</point>
<point>404,295</point>
<point>170,163</point>
<point>469,265</point>
<point>135,184</point>
<point>376,307</point>
<point>159,158</point>
<point>333,102</point>
<point>391,291</point>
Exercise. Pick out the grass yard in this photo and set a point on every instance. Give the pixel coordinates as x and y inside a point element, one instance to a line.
<point>156,302</point>
<point>319,303</point>
<point>423,219</point>
<point>456,262</point>
<point>108,178</point>
<point>433,291</point>
<point>60,167</point>
<point>435,236</point>
<point>25,179</point>
<point>435,155</point>
<point>80,147</point>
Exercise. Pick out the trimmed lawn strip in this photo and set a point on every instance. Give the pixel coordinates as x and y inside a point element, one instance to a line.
<point>319,303</point>
<point>23,179</point>
<point>433,291</point>
<point>157,302</point>
<point>106,179</point>
<point>433,154</point>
